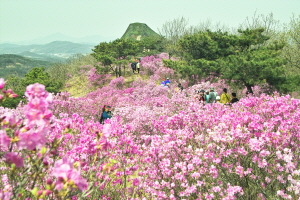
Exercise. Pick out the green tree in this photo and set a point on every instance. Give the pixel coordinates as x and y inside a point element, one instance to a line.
<point>245,58</point>
<point>39,75</point>
<point>208,45</point>
<point>249,68</point>
<point>151,46</point>
<point>116,54</point>
<point>291,51</point>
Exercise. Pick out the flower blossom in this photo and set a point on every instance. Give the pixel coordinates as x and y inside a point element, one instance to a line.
<point>13,158</point>
<point>66,174</point>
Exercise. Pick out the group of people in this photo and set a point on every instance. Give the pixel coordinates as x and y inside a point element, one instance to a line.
<point>212,96</point>
<point>202,96</point>
<point>135,66</point>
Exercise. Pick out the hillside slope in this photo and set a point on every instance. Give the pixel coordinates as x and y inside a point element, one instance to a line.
<point>11,64</point>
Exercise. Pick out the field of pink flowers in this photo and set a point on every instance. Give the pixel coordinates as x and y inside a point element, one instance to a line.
<point>159,144</point>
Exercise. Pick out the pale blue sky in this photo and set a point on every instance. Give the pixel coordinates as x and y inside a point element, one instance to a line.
<point>29,19</point>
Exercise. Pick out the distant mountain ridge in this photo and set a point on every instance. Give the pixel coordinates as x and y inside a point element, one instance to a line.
<point>57,50</point>
<point>52,47</point>
<point>90,40</point>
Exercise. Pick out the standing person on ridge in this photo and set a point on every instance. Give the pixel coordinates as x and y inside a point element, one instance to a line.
<point>138,67</point>
<point>225,97</point>
<point>133,66</point>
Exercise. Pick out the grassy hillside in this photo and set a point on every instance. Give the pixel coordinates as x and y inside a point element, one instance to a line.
<point>11,64</point>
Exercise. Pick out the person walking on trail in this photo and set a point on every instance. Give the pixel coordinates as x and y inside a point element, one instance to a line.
<point>106,114</point>
<point>225,97</point>
<point>234,98</point>
<point>133,66</point>
<point>212,95</point>
<point>138,67</point>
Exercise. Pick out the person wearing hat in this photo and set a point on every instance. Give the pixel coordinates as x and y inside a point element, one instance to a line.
<point>212,95</point>
<point>167,81</point>
<point>218,99</point>
<point>106,114</point>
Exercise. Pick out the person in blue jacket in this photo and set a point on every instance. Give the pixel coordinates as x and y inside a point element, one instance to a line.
<point>106,114</point>
<point>167,81</point>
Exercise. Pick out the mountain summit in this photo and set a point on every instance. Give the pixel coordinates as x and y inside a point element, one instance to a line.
<point>139,31</point>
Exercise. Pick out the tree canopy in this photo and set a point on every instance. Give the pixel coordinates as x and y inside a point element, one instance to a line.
<point>245,58</point>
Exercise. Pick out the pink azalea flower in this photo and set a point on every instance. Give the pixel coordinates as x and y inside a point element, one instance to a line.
<point>35,90</point>
<point>32,139</point>
<point>64,171</point>
<point>106,130</point>
<point>2,83</point>
<point>5,195</point>
<point>4,139</point>
<point>12,157</point>
<point>10,93</point>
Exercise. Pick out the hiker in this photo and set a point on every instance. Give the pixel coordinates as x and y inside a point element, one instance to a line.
<point>106,114</point>
<point>133,66</point>
<point>206,96</point>
<point>167,81</point>
<point>163,83</point>
<point>225,97</point>
<point>201,96</point>
<point>138,67</point>
<point>212,95</point>
<point>234,98</point>
<point>180,87</point>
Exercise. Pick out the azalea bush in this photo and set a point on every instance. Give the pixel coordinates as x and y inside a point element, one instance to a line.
<point>159,144</point>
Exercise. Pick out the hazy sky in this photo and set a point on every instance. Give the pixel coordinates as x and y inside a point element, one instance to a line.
<point>29,19</point>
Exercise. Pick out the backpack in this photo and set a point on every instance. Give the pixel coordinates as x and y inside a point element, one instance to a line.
<point>133,65</point>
